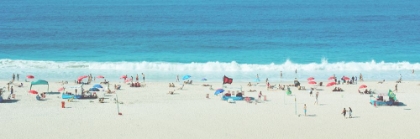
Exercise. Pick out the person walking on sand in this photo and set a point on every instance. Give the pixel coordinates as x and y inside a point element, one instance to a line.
<point>144,77</point>
<point>344,112</point>
<point>304,108</point>
<point>316,98</point>
<point>350,111</point>
<point>396,88</point>
<point>311,91</point>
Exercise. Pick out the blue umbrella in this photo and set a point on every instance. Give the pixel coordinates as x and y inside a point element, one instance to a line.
<point>218,91</point>
<point>186,77</point>
<point>97,86</point>
<point>93,89</point>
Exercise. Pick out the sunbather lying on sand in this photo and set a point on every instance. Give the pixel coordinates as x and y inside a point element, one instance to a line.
<point>206,85</point>
<point>252,90</point>
<point>171,92</point>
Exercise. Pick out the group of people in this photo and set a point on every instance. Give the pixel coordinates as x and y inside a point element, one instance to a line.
<point>136,84</point>
<point>337,89</point>
<point>350,111</point>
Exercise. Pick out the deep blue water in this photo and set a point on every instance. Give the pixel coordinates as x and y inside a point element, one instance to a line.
<point>178,37</point>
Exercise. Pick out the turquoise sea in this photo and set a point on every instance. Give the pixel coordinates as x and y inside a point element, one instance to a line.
<point>62,40</point>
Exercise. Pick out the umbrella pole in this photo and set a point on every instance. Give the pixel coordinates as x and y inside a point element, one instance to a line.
<point>118,106</point>
<point>295,106</point>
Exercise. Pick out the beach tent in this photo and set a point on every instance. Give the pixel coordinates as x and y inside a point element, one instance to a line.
<point>40,82</point>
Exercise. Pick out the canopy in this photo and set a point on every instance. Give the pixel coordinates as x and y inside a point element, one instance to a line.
<point>311,78</point>
<point>40,82</point>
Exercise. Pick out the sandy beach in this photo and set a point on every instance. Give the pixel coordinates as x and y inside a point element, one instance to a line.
<point>149,112</point>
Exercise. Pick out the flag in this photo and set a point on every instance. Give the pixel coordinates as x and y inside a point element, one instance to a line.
<point>227,80</point>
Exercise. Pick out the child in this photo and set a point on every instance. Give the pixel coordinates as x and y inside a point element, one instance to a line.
<point>344,112</point>
<point>304,109</point>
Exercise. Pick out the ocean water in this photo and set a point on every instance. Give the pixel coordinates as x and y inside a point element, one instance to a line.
<point>61,40</point>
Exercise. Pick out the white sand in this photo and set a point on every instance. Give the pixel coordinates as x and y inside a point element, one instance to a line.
<point>149,112</point>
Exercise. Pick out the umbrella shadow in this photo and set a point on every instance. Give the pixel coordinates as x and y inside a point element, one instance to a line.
<point>355,117</point>
<point>10,101</point>
<point>311,115</point>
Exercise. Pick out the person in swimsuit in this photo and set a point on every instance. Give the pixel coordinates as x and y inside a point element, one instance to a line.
<point>344,112</point>
<point>350,111</point>
<point>304,108</point>
<point>144,77</point>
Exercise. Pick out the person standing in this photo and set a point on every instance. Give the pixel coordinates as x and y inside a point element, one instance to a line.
<point>281,74</point>
<point>361,77</point>
<point>396,87</point>
<point>17,75</point>
<point>137,77</point>
<point>355,79</point>
<point>11,92</point>
<point>13,77</point>
<point>344,112</point>
<point>304,108</point>
<point>144,77</point>
<point>316,98</point>
<point>258,78</point>
<point>350,111</point>
<point>177,78</point>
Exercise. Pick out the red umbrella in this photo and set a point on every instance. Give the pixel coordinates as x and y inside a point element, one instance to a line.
<point>312,82</point>
<point>311,78</point>
<point>330,84</point>
<point>346,78</point>
<point>363,86</point>
<point>100,76</point>
<point>123,77</point>
<point>128,80</point>
<point>61,89</point>
<point>30,76</point>
<point>33,91</point>
<point>81,77</point>
<point>331,78</point>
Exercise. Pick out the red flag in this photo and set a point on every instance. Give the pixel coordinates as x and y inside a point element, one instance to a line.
<point>227,80</point>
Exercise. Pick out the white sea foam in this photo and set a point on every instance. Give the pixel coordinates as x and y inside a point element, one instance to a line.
<point>165,70</point>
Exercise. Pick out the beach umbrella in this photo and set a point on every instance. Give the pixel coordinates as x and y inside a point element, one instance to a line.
<point>362,86</point>
<point>128,80</point>
<point>100,76</point>
<point>311,78</point>
<point>186,77</point>
<point>93,89</point>
<point>346,78</point>
<point>330,84</point>
<point>61,89</point>
<point>218,91</point>
<point>123,77</point>
<point>81,77</point>
<point>97,86</point>
<point>30,76</point>
<point>311,82</point>
<point>331,78</point>
<point>33,91</point>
